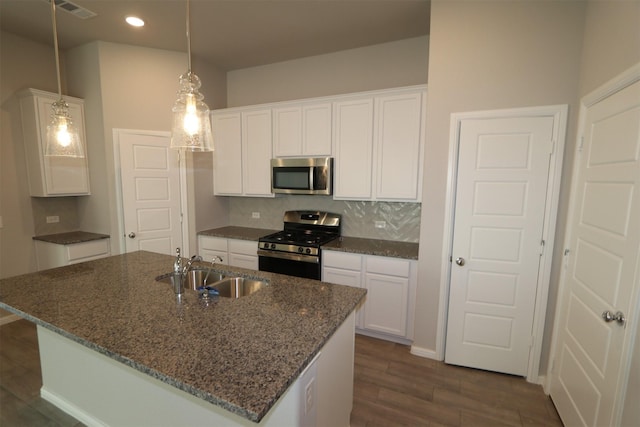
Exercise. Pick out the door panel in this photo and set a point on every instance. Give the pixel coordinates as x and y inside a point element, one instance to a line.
<point>589,372</point>
<point>503,169</point>
<point>151,193</point>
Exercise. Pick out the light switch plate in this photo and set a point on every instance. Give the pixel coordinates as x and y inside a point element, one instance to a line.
<point>380,224</point>
<point>255,215</point>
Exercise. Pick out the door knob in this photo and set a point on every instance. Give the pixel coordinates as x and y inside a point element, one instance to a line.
<point>610,317</point>
<point>460,261</point>
<point>132,235</point>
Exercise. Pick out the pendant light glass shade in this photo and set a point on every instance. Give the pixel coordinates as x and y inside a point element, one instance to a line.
<point>191,127</point>
<point>63,138</point>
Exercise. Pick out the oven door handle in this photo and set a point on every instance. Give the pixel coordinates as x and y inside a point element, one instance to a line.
<point>293,257</point>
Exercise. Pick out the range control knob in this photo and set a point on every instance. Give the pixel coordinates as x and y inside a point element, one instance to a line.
<point>300,249</point>
<point>308,250</point>
<point>273,246</point>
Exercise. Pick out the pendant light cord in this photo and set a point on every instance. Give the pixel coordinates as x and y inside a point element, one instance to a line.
<point>188,39</point>
<point>55,45</point>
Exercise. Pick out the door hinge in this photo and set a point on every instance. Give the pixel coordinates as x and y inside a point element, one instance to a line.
<point>553,146</point>
<point>581,143</point>
<point>541,246</point>
<point>531,340</point>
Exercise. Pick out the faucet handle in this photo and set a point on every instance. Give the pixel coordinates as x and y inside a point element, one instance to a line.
<point>177,264</point>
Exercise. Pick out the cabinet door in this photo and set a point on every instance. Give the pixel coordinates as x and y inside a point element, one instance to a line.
<point>287,131</point>
<point>316,129</point>
<point>347,278</point>
<point>227,157</point>
<point>353,149</point>
<point>256,143</point>
<point>398,139</point>
<point>386,307</point>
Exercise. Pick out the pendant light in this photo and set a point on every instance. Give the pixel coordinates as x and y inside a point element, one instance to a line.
<point>63,138</point>
<point>191,129</point>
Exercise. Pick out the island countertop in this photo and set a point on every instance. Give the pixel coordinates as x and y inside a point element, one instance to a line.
<point>239,354</point>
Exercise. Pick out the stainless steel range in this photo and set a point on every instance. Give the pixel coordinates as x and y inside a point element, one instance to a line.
<point>296,250</point>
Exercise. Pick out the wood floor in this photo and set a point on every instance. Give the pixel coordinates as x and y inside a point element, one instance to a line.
<point>392,388</point>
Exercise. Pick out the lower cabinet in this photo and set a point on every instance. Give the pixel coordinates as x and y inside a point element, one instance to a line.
<point>234,252</point>
<point>51,255</point>
<point>387,311</point>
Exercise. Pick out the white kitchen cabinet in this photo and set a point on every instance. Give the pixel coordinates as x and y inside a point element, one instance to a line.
<point>378,146</point>
<point>210,247</point>
<point>398,139</point>
<point>234,252</point>
<point>302,130</point>
<point>227,157</point>
<point>51,176</point>
<point>242,153</point>
<point>51,255</point>
<point>344,269</point>
<point>353,139</point>
<point>243,253</point>
<point>256,153</point>
<point>387,284</point>
<point>388,308</point>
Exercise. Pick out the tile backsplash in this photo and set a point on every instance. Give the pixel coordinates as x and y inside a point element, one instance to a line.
<point>65,208</point>
<point>359,218</point>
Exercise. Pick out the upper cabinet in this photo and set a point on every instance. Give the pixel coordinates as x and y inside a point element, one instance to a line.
<point>302,130</point>
<point>242,152</point>
<point>376,139</point>
<point>353,135</point>
<point>51,176</point>
<point>378,146</point>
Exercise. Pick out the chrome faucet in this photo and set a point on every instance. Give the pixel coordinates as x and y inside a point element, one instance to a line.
<point>181,273</point>
<point>213,262</point>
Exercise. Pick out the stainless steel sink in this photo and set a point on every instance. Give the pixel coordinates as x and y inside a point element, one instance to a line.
<point>195,278</point>
<point>236,287</point>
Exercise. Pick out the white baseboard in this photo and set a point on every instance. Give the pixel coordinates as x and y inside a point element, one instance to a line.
<point>8,319</point>
<point>70,408</point>
<point>424,352</point>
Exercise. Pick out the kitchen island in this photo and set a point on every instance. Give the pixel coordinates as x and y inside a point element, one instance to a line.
<point>119,348</point>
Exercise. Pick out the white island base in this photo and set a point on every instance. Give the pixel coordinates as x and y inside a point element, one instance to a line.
<point>100,391</point>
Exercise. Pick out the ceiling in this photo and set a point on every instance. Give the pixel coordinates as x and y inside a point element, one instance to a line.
<point>231,34</point>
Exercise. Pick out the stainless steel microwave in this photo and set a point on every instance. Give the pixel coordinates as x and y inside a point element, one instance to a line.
<point>309,175</point>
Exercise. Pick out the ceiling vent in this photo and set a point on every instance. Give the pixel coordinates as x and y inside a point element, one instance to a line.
<point>74,9</point>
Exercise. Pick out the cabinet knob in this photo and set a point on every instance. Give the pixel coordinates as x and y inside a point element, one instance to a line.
<point>132,235</point>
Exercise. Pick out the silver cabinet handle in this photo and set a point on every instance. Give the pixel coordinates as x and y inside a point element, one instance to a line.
<point>460,261</point>
<point>610,317</point>
<point>132,235</point>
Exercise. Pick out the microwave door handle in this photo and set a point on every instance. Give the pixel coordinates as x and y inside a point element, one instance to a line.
<point>311,173</point>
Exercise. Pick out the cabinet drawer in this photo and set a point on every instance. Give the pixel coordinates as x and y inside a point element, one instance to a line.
<point>246,247</point>
<point>341,260</point>
<point>212,243</point>
<point>388,266</point>
<point>91,249</point>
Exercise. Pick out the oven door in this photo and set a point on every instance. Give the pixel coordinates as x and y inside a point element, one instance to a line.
<point>292,264</point>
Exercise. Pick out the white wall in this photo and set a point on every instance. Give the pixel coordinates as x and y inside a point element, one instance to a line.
<point>127,87</point>
<point>23,64</point>
<point>487,55</point>
<point>400,63</point>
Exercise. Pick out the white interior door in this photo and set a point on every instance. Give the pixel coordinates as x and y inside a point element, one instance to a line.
<point>590,364</point>
<point>150,177</point>
<point>502,180</point>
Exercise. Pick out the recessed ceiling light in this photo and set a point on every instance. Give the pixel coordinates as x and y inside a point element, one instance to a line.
<point>134,21</point>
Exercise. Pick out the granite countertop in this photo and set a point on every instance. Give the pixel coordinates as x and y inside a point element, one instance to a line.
<point>71,237</point>
<point>234,232</point>
<point>240,354</point>
<point>388,248</point>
